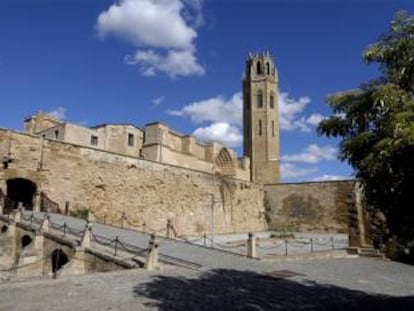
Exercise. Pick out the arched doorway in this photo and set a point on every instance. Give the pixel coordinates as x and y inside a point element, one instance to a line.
<point>59,259</point>
<point>26,241</point>
<point>20,190</point>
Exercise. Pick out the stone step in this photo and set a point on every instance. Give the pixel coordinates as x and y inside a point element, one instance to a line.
<point>365,252</point>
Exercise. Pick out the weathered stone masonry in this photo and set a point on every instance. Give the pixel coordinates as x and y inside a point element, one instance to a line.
<point>110,184</point>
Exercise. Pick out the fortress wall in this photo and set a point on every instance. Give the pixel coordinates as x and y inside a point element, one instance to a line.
<point>309,206</point>
<point>146,191</point>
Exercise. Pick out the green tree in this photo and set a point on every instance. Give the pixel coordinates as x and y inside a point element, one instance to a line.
<point>375,124</point>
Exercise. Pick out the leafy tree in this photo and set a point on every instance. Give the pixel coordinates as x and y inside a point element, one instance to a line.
<point>376,126</point>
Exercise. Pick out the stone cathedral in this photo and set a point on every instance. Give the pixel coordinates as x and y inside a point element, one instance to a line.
<point>153,173</point>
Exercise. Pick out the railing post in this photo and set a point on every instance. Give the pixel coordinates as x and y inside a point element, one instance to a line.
<point>64,228</point>
<point>151,261</point>
<point>116,246</point>
<point>251,246</point>
<point>169,229</point>
<point>122,219</point>
<point>44,226</point>
<point>144,227</point>
<point>104,219</point>
<point>311,244</point>
<point>205,239</point>
<point>332,242</point>
<point>86,237</point>
<point>286,247</point>
<point>67,207</point>
<point>19,213</point>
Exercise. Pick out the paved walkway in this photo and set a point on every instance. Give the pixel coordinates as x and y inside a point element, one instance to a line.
<point>341,284</point>
<point>173,250</point>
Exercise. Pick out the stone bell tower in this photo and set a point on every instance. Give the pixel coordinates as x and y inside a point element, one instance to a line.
<point>261,118</point>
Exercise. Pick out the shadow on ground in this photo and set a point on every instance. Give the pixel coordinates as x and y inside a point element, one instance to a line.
<point>244,290</point>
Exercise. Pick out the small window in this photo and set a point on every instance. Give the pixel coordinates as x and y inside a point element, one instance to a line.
<point>130,140</point>
<point>260,127</point>
<point>94,140</point>
<point>272,101</point>
<point>273,128</point>
<point>56,134</point>
<point>260,100</point>
<point>268,68</point>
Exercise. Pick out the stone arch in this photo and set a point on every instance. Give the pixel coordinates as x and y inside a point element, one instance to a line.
<point>26,240</point>
<point>20,190</point>
<point>224,163</point>
<point>59,259</point>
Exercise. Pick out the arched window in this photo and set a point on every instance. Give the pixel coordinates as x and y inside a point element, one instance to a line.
<point>259,68</point>
<point>268,68</point>
<point>260,99</point>
<point>273,128</point>
<point>272,101</point>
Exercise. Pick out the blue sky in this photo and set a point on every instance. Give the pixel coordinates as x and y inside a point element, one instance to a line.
<point>181,62</point>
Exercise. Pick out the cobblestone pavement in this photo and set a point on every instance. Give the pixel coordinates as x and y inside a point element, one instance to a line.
<point>341,284</point>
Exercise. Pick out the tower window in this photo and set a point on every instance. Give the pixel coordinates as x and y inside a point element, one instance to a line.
<point>130,140</point>
<point>273,128</point>
<point>94,140</point>
<point>272,101</point>
<point>260,100</point>
<point>259,68</point>
<point>260,127</point>
<point>268,68</point>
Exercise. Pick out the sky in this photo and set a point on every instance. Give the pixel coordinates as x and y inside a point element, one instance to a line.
<point>181,62</point>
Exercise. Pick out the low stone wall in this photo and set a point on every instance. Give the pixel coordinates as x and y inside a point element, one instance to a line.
<point>309,206</point>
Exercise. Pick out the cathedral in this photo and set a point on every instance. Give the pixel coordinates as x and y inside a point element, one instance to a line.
<point>157,142</point>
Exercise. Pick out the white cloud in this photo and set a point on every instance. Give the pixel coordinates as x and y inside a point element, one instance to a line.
<point>220,109</point>
<point>290,109</point>
<point>312,154</point>
<point>175,63</point>
<point>327,177</point>
<point>156,24</point>
<point>223,133</point>
<point>157,101</point>
<point>289,170</point>
<point>216,109</point>
<point>315,119</point>
<point>58,113</point>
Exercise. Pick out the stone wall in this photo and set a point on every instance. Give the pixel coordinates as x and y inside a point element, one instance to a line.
<point>110,184</point>
<point>310,206</point>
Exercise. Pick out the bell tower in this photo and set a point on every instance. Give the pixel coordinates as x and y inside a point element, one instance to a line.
<point>261,118</point>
